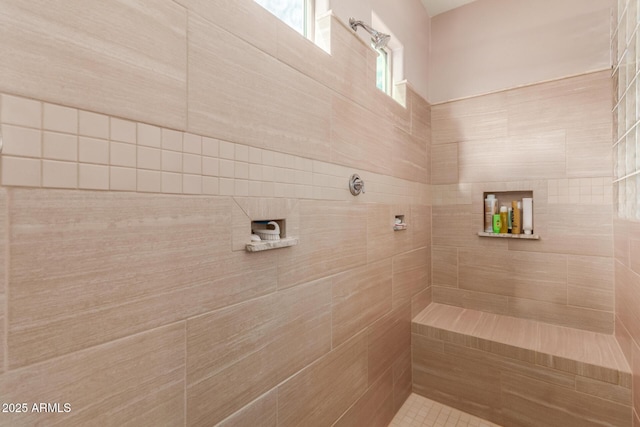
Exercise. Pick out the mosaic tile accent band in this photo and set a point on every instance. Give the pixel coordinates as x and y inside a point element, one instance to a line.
<point>53,146</point>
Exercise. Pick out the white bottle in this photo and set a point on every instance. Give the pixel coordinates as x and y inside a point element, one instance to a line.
<point>490,208</point>
<point>527,215</point>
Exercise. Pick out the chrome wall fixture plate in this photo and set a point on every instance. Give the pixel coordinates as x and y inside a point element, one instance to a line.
<point>356,184</point>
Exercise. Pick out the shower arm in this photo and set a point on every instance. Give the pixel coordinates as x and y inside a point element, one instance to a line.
<point>354,26</point>
<point>379,39</point>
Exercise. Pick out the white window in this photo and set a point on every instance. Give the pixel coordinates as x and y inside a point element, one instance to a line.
<point>383,70</point>
<point>298,14</point>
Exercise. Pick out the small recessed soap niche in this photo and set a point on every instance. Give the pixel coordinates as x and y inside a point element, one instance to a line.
<point>269,234</point>
<point>399,224</point>
<point>505,198</point>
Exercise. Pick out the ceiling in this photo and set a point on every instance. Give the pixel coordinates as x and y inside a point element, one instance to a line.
<point>434,7</point>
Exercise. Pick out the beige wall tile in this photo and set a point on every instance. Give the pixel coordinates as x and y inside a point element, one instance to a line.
<point>459,379</point>
<point>59,174</point>
<point>320,393</point>
<point>122,179</point>
<point>171,140</point>
<point>210,185</point>
<point>93,124</point>
<point>561,314</point>
<point>635,367</point>
<point>59,146</point>
<point>389,338</point>
<point>492,303</point>
<point>149,181</point>
<point>192,164</point>
<point>634,246</point>
<point>210,147</point>
<point>560,406</point>
<point>359,297</point>
<point>171,183</point>
<point>123,130</point>
<point>590,231</point>
<point>470,119</point>
<point>531,275</point>
<point>402,384</point>
<point>444,266</point>
<point>444,164</point>
<point>121,154</point>
<point>60,119</point>
<point>604,390</point>
<point>192,184</point>
<point>91,150</point>
<point>172,270</point>
<point>248,20</point>
<point>627,291</point>
<point>149,158</point>
<point>192,143</point>
<point>21,172</point>
<point>225,364</point>
<point>171,161</point>
<point>147,83</point>
<point>420,225</point>
<point>284,89</point>
<point>352,130</point>
<point>148,135</point>
<point>129,381</point>
<point>331,234</point>
<point>410,157</point>
<point>261,412</point>
<point>3,283</point>
<point>420,301</point>
<point>375,408</point>
<point>411,274</point>
<point>93,177</point>
<point>20,111</point>
<point>380,235</point>
<point>20,141</point>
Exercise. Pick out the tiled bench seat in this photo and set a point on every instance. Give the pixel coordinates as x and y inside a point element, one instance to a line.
<point>519,372</point>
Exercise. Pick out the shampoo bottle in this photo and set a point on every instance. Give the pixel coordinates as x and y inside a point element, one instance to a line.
<point>527,215</point>
<point>504,220</point>
<point>490,204</point>
<point>517,218</point>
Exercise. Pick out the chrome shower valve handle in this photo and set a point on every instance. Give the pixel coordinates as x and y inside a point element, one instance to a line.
<point>356,184</point>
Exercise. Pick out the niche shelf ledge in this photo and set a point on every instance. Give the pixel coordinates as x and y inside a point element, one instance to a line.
<point>509,236</point>
<point>266,245</point>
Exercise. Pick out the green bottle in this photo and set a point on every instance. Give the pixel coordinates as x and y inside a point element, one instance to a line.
<point>496,223</point>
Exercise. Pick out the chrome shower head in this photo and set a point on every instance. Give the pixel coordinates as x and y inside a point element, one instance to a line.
<point>379,39</point>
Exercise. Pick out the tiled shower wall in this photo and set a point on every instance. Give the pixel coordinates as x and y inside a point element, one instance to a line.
<point>140,140</point>
<point>626,112</point>
<point>551,138</point>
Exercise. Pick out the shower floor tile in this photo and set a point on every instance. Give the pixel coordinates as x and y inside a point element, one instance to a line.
<point>419,411</point>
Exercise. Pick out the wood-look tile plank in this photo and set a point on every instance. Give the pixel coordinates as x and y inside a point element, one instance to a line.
<point>359,297</point>
<point>524,399</point>
<point>236,354</point>
<point>511,273</point>
<point>246,80</point>
<point>106,60</point>
<point>375,408</point>
<point>331,236</point>
<point>323,391</point>
<point>411,275</point>
<point>133,262</point>
<point>135,379</point>
<point>262,412</point>
<point>388,339</point>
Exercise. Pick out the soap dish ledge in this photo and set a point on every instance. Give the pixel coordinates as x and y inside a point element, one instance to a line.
<point>265,245</point>
<point>509,236</point>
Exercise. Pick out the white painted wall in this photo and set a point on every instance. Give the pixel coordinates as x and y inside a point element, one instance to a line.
<point>406,20</point>
<point>490,45</point>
